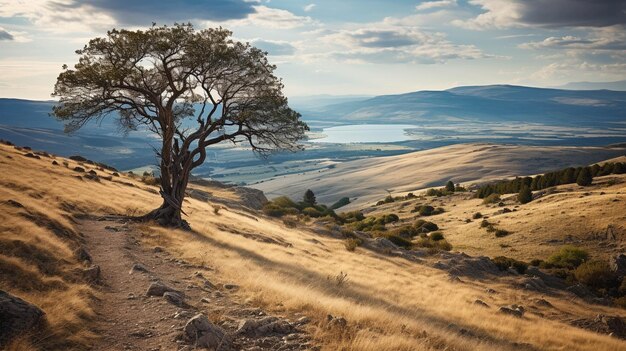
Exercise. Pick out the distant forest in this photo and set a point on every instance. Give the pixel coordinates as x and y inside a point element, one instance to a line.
<point>580,175</point>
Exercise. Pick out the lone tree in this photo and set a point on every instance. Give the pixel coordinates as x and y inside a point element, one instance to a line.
<point>309,198</point>
<point>525,195</point>
<point>450,186</point>
<point>192,88</point>
<point>584,177</point>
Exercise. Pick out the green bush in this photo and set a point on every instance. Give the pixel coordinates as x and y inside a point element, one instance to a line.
<point>501,232</point>
<point>450,186</point>
<point>485,223</point>
<point>436,236</point>
<point>584,177</point>
<point>399,241</point>
<point>568,257</point>
<point>391,218</point>
<point>342,202</point>
<point>425,226</point>
<point>352,216</point>
<point>525,195</point>
<point>503,263</point>
<point>491,199</point>
<point>312,212</point>
<point>596,274</point>
<point>284,202</point>
<point>352,243</point>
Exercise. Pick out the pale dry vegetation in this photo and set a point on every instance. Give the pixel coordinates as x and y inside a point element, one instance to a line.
<point>389,303</point>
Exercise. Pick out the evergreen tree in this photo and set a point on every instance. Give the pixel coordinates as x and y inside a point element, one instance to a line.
<point>309,198</point>
<point>525,195</point>
<point>584,177</point>
<point>450,186</point>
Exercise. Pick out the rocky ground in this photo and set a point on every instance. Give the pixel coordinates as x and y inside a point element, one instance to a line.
<point>152,301</point>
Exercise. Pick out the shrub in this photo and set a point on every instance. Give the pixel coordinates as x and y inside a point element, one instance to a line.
<point>272,210</point>
<point>434,192</point>
<point>342,202</point>
<point>502,232</point>
<point>596,274</point>
<point>525,195</point>
<point>284,202</point>
<point>352,216</point>
<point>352,243</point>
<point>399,241</point>
<point>485,223</point>
<point>312,212</point>
<point>477,215</point>
<point>450,187</point>
<point>391,218</point>
<point>536,262</point>
<point>443,245</point>
<point>568,257</point>
<point>436,236</point>
<point>427,210</point>
<point>503,263</point>
<point>491,199</point>
<point>584,177</point>
<point>425,226</point>
<point>620,301</point>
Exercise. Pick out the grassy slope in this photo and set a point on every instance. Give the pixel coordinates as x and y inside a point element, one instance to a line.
<point>390,303</point>
<point>369,179</point>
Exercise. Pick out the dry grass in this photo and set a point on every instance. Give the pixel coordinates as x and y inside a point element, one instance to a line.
<point>389,303</point>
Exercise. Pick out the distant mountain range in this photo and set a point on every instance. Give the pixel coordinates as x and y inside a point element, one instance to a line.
<point>492,103</point>
<point>617,85</point>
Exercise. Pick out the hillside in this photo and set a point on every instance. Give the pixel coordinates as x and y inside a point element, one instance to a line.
<point>490,103</point>
<point>240,266</point>
<point>368,180</point>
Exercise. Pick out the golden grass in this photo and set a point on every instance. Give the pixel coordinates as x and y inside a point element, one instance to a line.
<point>389,303</point>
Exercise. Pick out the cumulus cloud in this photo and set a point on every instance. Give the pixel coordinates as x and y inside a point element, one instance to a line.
<point>397,45</point>
<point>546,13</point>
<point>437,4</point>
<point>269,17</point>
<point>274,47</point>
<point>610,39</point>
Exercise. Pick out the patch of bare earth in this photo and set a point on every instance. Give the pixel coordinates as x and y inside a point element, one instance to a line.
<point>129,319</point>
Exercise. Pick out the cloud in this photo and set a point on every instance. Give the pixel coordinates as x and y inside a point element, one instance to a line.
<point>397,45</point>
<point>546,13</point>
<point>86,15</point>
<point>602,39</point>
<point>4,35</point>
<point>274,47</point>
<point>429,5</point>
<point>568,71</point>
<point>309,7</point>
<point>268,17</point>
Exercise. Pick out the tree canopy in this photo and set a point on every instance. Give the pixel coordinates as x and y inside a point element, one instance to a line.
<point>192,88</point>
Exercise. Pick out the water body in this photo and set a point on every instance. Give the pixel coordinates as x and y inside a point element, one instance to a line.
<point>365,133</point>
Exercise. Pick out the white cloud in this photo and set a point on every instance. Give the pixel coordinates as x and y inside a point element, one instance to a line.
<point>429,5</point>
<point>498,14</point>
<point>309,7</point>
<point>268,17</point>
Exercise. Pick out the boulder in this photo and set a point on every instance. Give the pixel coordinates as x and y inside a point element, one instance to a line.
<point>252,198</point>
<point>18,316</point>
<point>138,267</point>
<point>158,289</point>
<point>200,332</point>
<point>264,327</point>
<point>174,298</point>
<point>618,264</point>
<point>92,274</point>
<point>513,310</point>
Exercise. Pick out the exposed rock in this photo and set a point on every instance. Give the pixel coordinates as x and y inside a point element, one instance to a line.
<point>79,169</point>
<point>534,283</point>
<point>464,265</point>
<point>513,310</point>
<point>31,155</point>
<point>18,316</point>
<point>252,198</point>
<point>200,332</point>
<point>14,203</point>
<point>481,303</point>
<point>618,264</point>
<point>547,279</point>
<point>580,291</point>
<point>303,320</point>
<point>176,299</point>
<point>542,302</point>
<point>82,254</point>
<point>231,286</point>
<point>158,289</point>
<point>264,327</point>
<point>138,267</point>
<point>612,325</point>
<point>55,163</point>
<point>92,274</point>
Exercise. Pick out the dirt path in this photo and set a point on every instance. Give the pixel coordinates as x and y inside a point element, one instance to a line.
<point>131,320</point>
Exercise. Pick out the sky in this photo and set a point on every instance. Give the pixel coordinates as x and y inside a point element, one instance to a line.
<point>343,47</point>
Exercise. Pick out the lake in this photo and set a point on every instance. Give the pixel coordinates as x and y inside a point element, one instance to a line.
<point>365,133</point>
